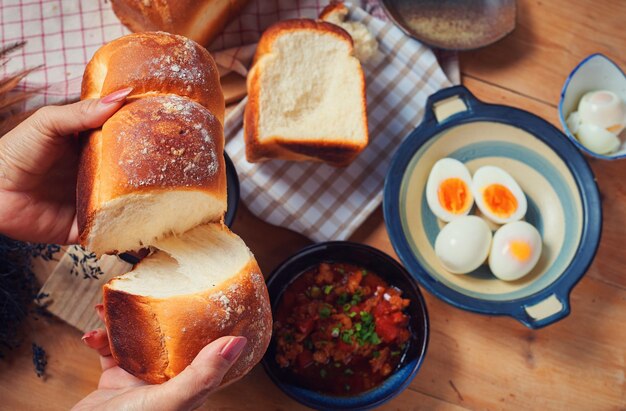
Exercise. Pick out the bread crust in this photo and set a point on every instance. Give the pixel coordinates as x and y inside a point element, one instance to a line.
<point>150,145</point>
<point>336,153</point>
<point>155,63</point>
<point>200,20</point>
<point>155,339</point>
<point>334,7</point>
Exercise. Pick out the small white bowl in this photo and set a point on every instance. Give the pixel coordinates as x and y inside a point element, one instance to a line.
<point>595,72</point>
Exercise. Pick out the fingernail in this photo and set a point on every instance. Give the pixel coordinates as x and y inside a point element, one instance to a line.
<point>98,307</point>
<point>235,346</point>
<point>88,336</point>
<point>116,96</point>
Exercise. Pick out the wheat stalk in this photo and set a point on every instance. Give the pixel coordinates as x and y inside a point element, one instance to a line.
<point>9,97</point>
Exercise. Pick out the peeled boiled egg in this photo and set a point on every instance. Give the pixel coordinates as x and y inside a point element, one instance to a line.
<point>448,189</point>
<point>497,195</point>
<point>463,245</point>
<point>515,250</point>
<point>597,139</point>
<point>604,109</point>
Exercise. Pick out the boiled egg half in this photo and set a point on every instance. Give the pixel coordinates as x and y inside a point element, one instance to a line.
<point>448,189</point>
<point>497,195</point>
<point>463,245</point>
<point>515,250</point>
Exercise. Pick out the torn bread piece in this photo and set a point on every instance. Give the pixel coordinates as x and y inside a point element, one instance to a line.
<point>197,287</point>
<point>365,44</point>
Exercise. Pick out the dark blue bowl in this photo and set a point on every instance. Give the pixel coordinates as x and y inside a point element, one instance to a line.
<point>232,200</point>
<point>392,272</point>
<point>563,204</point>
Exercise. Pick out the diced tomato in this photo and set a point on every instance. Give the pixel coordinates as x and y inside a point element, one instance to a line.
<point>343,346</point>
<point>382,309</point>
<point>306,326</point>
<point>398,317</point>
<point>305,358</point>
<point>386,329</point>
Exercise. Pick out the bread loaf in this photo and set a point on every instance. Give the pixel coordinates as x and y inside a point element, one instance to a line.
<point>306,95</point>
<point>199,20</point>
<point>156,166</point>
<point>153,175</point>
<point>197,288</point>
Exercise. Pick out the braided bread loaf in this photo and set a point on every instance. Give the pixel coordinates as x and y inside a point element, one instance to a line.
<point>154,169</point>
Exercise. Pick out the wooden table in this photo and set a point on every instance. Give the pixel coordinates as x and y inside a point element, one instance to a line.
<point>473,361</point>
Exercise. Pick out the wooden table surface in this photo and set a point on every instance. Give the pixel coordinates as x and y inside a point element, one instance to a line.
<point>473,361</point>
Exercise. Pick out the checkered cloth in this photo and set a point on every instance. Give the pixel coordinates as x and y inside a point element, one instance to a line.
<point>63,35</point>
<point>317,200</point>
<point>328,203</point>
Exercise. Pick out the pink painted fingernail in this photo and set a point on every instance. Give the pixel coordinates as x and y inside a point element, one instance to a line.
<point>233,349</point>
<point>88,336</point>
<point>116,96</point>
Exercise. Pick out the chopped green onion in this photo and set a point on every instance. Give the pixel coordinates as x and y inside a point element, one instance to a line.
<point>375,339</point>
<point>341,270</point>
<point>328,289</point>
<point>346,336</point>
<point>315,291</point>
<point>347,307</point>
<point>337,364</point>
<point>352,314</point>
<point>325,312</point>
<point>365,316</point>
<point>343,298</point>
<point>364,272</point>
<point>348,371</point>
<point>376,354</point>
<point>395,353</point>
<point>335,332</point>
<point>358,326</point>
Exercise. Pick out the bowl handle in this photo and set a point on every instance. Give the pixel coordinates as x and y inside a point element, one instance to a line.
<point>451,103</point>
<point>544,312</point>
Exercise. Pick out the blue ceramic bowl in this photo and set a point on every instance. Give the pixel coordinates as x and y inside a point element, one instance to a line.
<point>595,72</point>
<point>232,200</point>
<point>392,272</point>
<point>563,204</point>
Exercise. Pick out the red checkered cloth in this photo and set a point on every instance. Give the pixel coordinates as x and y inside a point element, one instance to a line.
<point>62,35</point>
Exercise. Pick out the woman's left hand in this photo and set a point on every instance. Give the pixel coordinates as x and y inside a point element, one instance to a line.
<point>38,166</point>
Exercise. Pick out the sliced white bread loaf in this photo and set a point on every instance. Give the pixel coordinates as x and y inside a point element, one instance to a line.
<point>365,44</point>
<point>306,95</point>
<point>198,287</point>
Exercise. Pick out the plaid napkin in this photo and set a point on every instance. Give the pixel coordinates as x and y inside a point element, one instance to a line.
<point>328,203</point>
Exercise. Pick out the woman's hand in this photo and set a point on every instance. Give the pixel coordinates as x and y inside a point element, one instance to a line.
<point>38,165</point>
<point>118,390</point>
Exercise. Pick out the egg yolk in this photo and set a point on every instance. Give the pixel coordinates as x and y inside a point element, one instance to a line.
<point>521,250</point>
<point>453,195</point>
<point>500,200</point>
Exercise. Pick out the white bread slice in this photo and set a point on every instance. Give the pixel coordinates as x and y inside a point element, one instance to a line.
<point>365,44</point>
<point>198,287</point>
<point>306,95</point>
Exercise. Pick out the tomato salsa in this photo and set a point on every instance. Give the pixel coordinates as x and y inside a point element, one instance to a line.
<point>341,329</point>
